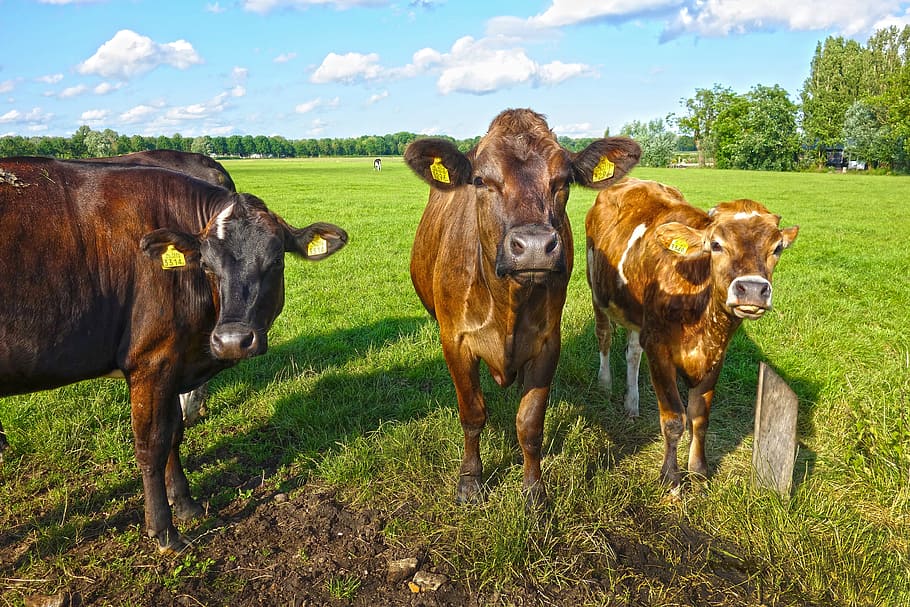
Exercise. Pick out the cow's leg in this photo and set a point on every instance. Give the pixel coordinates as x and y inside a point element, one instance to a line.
<point>530,418</point>
<point>183,506</point>
<point>155,420</point>
<point>633,363</point>
<point>473,414</point>
<point>672,414</point>
<point>603,327</point>
<point>698,410</point>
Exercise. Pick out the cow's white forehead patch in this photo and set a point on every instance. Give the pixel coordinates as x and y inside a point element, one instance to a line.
<point>221,222</point>
<point>746,215</point>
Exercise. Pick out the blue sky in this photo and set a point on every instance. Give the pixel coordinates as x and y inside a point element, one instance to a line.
<point>344,68</point>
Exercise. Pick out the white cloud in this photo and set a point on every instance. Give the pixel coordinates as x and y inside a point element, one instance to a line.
<point>34,117</point>
<point>138,114</point>
<point>239,74</point>
<point>313,104</point>
<point>7,86</point>
<point>377,97</point>
<point>347,68</point>
<point>563,13</point>
<point>725,17</point>
<point>214,7</point>
<point>577,129</point>
<point>714,17</point>
<point>265,6</point>
<point>50,78</point>
<point>106,87</point>
<point>129,54</point>
<point>308,106</point>
<point>317,127</point>
<point>482,66</point>
<point>238,91</point>
<point>285,57</point>
<point>73,91</point>
<point>91,117</point>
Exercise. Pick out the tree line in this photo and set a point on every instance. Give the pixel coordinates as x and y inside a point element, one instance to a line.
<point>855,105</point>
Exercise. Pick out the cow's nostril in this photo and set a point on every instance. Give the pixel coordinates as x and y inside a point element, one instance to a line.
<point>552,245</point>
<point>517,246</point>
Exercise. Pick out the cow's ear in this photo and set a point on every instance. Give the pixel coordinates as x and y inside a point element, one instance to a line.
<point>316,241</point>
<point>175,250</point>
<point>605,161</point>
<point>439,163</point>
<point>789,235</point>
<point>681,239</point>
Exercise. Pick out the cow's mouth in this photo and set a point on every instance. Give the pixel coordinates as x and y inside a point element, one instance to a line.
<point>749,312</point>
<point>532,276</point>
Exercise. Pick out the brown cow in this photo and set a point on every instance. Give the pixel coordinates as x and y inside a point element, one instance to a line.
<point>491,260</point>
<point>141,273</point>
<point>681,281</point>
<point>196,165</point>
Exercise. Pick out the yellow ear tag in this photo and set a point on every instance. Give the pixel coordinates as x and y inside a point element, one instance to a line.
<point>172,258</point>
<point>679,245</point>
<point>603,170</point>
<point>317,246</point>
<point>439,172</point>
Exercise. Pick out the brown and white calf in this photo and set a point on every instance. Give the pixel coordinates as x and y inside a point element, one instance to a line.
<point>491,260</point>
<point>681,280</point>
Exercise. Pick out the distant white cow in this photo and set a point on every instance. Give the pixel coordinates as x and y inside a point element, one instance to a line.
<point>377,164</point>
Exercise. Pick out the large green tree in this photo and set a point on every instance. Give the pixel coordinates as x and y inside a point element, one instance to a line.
<point>658,143</point>
<point>701,112</point>
<point>758,131</point>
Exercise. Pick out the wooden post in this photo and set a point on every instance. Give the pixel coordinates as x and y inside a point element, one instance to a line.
<point>774,447</point>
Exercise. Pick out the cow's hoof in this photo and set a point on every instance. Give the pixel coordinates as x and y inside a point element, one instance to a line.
<point>536,500</point>
<point>170,542</point>
<point>468,490</point>
<point>186,509</point>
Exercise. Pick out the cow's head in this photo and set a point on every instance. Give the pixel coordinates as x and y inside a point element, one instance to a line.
<point>242,252</point>
<point>518,176</point>
<point>744,243</point>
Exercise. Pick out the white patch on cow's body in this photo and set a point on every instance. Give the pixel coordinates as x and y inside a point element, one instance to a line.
<point>746,215</point>
<point>221,222</point>
<point>731,297</point>
<point>633,363</point>
<point>603,374</point>
<point>637,233</point>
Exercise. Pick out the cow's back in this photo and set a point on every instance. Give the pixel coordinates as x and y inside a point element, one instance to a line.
<point>625,259</point>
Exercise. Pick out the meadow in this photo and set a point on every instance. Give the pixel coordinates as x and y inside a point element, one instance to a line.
<point>354,395</point>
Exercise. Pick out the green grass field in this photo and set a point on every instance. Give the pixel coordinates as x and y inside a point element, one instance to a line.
<point>354,392</point>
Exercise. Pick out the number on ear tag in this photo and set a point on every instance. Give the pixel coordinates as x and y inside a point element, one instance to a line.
<point>172,258</point>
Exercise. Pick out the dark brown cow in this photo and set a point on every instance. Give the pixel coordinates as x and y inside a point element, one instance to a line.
<point>491,260</point>
<point>681,281</point>
<point>199,166</point>
<point>143,273</point>
<point>202,167</point>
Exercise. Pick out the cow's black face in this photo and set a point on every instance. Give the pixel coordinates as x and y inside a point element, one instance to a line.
<point>243,254</point>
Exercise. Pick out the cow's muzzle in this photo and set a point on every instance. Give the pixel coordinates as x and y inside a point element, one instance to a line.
<point>749,297</point>
<point>236,341</point>
<point>530,252</point>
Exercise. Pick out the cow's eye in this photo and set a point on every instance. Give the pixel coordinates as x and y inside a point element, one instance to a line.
<point>716,247</point>
<point>779,248</point>
<point>478,182</point>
